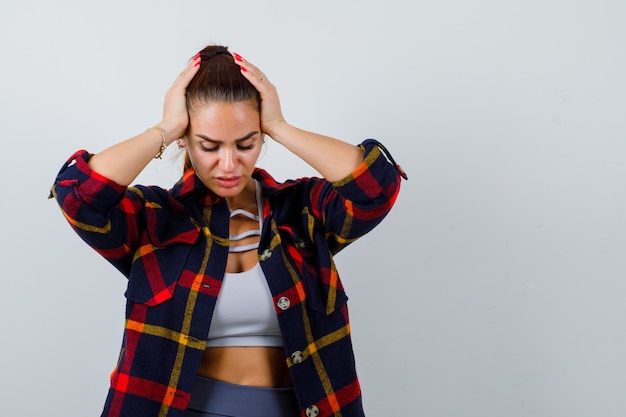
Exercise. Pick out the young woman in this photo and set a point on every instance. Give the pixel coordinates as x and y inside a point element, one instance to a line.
<point>234,305</point>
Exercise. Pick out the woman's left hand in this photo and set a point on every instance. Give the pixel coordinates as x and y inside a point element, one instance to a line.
<point>271,114</point>
<point>332,158</point>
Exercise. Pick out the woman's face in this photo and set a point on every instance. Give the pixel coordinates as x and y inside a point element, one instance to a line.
<point>224,141</point>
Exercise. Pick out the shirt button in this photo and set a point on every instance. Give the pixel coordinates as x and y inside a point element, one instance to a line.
<point>266,254</point>
<point>312,411</point>
<point>296,357</point>
<point>302,244</point>
<point>283,303</point>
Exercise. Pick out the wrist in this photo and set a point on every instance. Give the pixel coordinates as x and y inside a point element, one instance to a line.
<point>277,129</point>
<point>172,130</point>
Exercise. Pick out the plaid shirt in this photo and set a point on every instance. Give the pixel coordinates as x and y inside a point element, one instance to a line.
<point>172,245</point>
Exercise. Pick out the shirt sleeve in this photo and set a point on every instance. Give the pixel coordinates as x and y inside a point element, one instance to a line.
<point>102,212</point>
<point>351,207</point>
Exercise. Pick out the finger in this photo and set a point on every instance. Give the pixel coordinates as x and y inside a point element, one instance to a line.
<point>188,73</point>
<point>251,72</point>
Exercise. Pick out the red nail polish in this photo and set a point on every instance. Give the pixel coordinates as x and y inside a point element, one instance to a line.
<point>243,69</point>
<point>237,56</point>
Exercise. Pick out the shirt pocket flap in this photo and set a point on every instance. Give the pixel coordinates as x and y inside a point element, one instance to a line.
<point>161,256</point>
<point>324,290</point>
<point>154,275</point>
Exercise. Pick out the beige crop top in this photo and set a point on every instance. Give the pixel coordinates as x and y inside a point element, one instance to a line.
<point>244,313</point>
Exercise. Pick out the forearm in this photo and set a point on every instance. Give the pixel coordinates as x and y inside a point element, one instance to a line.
<point>332,158</point>
<point>123,161</point>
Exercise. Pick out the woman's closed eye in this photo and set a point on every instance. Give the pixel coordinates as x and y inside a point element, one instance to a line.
<point>245,146</point>
<point>208,148</point>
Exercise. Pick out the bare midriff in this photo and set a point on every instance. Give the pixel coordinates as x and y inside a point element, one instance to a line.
<point>246,365</point>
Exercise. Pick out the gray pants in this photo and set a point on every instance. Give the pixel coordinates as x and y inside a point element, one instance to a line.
<point>211,398</point>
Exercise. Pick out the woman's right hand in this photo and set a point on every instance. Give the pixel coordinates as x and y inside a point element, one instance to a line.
<point>175,114</point>
<point>123,161</point>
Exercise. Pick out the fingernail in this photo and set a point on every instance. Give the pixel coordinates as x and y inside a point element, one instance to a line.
<point>243,69</point>
<point>196,60</point>
<point>237,56</point>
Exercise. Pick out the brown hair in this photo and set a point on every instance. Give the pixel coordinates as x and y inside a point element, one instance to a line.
<point>219,79</point>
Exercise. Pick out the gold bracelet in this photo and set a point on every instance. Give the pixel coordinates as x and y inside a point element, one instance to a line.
<point>163,141</point>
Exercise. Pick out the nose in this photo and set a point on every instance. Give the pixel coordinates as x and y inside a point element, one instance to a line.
<point>228,160</point>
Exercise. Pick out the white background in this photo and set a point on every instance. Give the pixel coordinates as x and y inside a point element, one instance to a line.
<point>495,288</point>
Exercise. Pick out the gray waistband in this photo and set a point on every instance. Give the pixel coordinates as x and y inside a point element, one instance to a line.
<point>223,398</point>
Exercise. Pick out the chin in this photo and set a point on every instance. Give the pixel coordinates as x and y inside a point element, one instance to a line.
<point>227,192</point>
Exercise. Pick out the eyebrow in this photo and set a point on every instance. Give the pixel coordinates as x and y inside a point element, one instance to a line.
<point>241,139</point>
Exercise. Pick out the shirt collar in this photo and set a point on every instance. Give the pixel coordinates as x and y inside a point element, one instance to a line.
<point>269,186</point>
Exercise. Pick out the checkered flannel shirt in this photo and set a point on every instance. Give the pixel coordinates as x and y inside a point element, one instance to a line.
<point>172,245</point>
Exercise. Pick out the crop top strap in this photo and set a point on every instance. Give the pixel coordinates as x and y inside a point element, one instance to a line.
<point>244,213</point>
<point>248,233</point>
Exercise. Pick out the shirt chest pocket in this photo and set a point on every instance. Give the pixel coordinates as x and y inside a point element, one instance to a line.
<point>160,259</point>
<point>324,290</point>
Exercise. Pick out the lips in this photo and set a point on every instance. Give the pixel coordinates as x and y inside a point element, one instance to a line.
<point>228,182</point>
